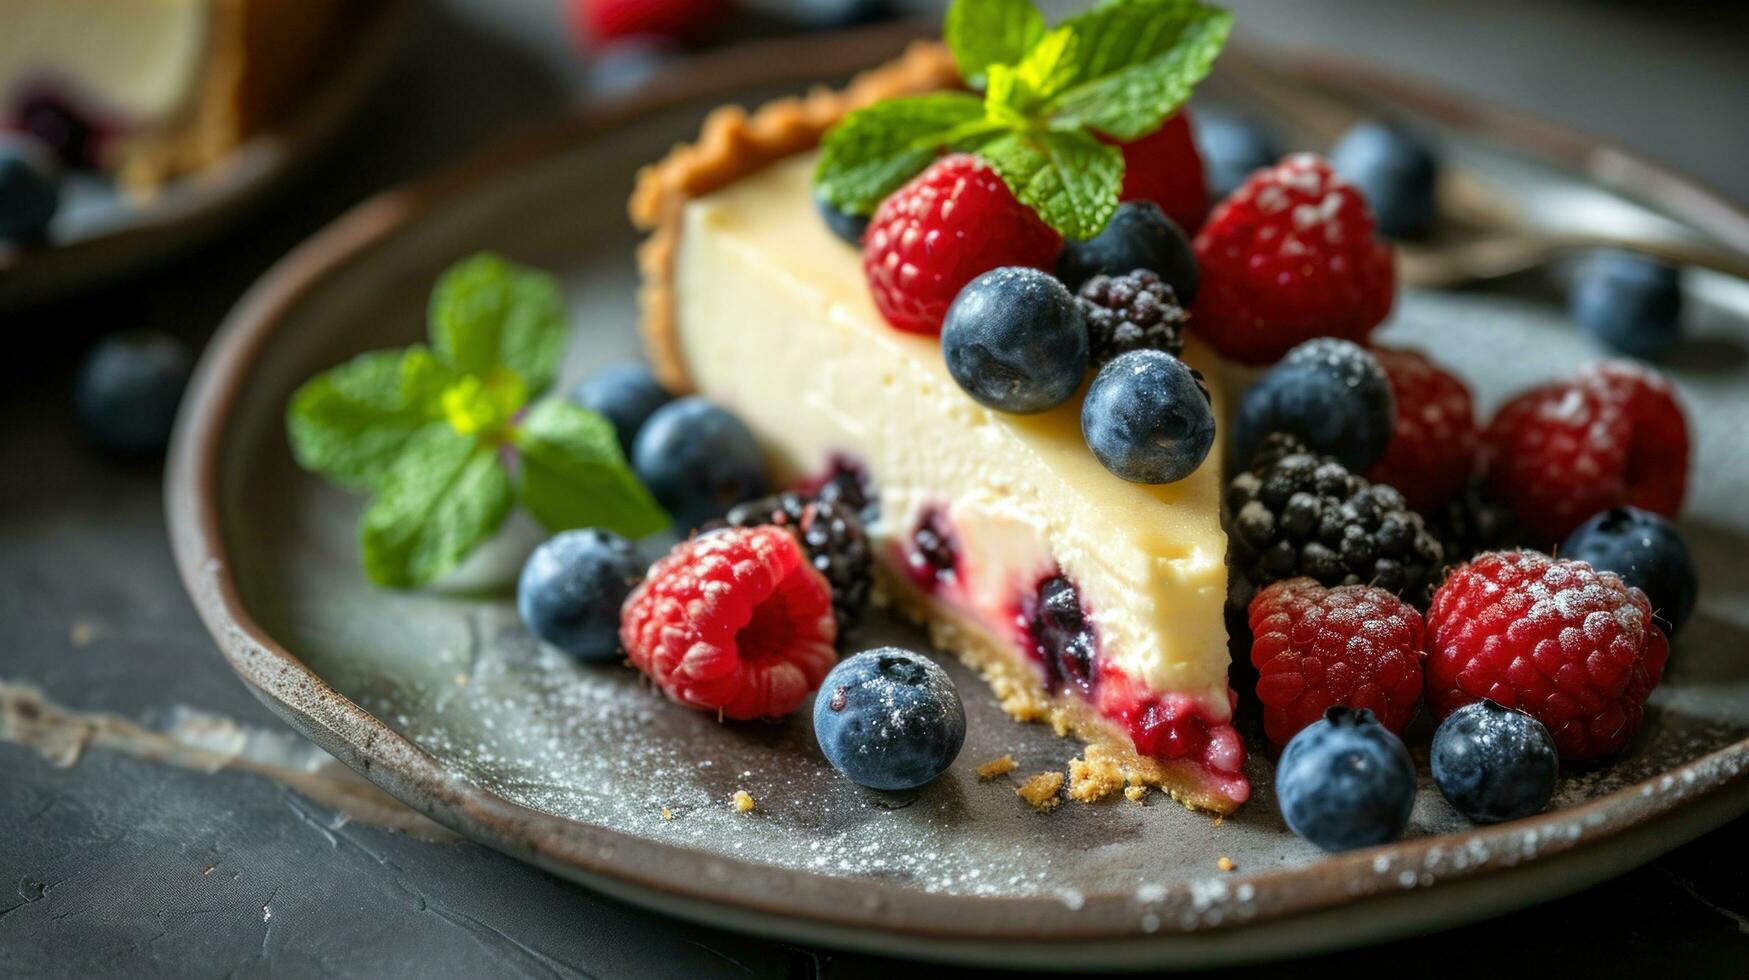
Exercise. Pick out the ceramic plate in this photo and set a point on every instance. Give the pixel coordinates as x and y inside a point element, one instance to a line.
<point>443,698</point>
<point>99,235</point>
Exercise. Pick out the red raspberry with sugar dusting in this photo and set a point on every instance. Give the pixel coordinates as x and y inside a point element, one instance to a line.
<point>1315,648</point>
<point>1289,256</point>
<point>951,224</point>
<point>1570,646</point>
<point>734,621</point>
<point>1612,436</point>
<point>1165,167</point>
<point>1435,442</point>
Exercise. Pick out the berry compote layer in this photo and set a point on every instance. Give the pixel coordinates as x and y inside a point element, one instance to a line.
<point>1087,601</point>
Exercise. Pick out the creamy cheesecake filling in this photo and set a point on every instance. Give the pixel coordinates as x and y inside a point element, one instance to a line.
<point>137,62</point>
<point>775,322</point>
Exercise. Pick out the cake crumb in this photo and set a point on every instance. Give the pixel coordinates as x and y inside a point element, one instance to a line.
<point>666,815</point>
<point>743,801</point>
<point>997,767</point>
<point>1094,776</point>
<point>1040,790</point>
<point>1225,863</point>
<point>1135,793</point>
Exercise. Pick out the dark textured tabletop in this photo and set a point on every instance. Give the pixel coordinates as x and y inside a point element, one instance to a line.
<point>129,847</point>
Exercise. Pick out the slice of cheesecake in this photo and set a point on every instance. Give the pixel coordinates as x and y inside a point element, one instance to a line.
<point>166,87</point>
<point>1086,601</point>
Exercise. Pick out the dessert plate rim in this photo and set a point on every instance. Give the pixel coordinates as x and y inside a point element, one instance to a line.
<point>1413,885</point>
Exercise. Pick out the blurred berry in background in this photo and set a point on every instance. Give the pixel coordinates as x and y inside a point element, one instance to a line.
<point>30,187</point>
<point>1396,170</point>
<point>1232,146</point>
<point>1630,303</point>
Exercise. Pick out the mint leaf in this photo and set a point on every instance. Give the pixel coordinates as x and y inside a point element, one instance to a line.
<point>1051,65</point>
<point>350,422</point>
<point>1071,179</point>
<point>1133,64</point>
<point>573,474</point>
<point>874,150</point>
<point>444,494</point>
<point>486,313</point>
<point>981,33</point>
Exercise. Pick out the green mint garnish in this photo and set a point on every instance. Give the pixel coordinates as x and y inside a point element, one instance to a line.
<point>1116,71</point>
<point>444,436</point>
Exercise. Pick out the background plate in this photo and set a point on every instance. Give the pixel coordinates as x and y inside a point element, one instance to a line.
<point>442,698</point>
<point>99,235</point>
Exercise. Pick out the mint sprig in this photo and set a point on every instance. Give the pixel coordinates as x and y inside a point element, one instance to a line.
<point>444,437</point>
<point>1117,71</point>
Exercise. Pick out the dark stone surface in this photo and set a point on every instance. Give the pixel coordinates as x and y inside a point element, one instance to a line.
<point>118,866</point>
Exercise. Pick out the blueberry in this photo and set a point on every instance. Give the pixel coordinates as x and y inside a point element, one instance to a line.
<point>627,394</point>
<point>627,64</point>
<point>820,15</point>
<point>572,588</point>
<point>844,224</point>
<point>698,460</point>
<point>127,391</point>
<point>889,719</point>
<point>1648,552</point>
<point>1396,171</point>
<point>1147,418</point>
<point>1494,764</point>
<point>1345,781</point>
<point>1232,147</point>
<point>1330,393</point>
<point>1015,340</point>
<point>1628,302</point>
<point>60,127</point>
<point>1139,236</point>
<point>30,188</point>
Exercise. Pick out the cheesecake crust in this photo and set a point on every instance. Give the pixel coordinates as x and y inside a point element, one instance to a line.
<point>733,144</point>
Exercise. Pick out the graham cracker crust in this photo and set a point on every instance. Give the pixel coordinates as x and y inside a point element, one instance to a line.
<point>733,144</point>
<point>1110,761</point>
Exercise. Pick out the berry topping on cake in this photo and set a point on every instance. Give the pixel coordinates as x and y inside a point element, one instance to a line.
<point>1493,764</point>
<point>698,460</point>
<point>1572,647</point>
<point>1346,781</point>
<point>1061,635</point>
<point>1290,256</point>
<point>950,224</point>
<point>1612,436</point>
<point>571,590</point>
<point>1331,394</point>
<point>1135,311</point>
<point>1628,302</point>
<point>1397,171</point>
<point>889,719</point>
<point>1648,552</point>
<point>1147,417</point>
<point>1139,237</point>
<point>1015,340</point>
<point>1434,441</point>
<point>1295,513</point>
<point>833,537</point>
<point>845,224</point>
<point>1164,167</point>
<point>734,621</point>
<point>1315,648</point>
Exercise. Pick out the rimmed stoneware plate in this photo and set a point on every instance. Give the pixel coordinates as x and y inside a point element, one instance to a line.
<point>443,699</point>
<point>100,235</point>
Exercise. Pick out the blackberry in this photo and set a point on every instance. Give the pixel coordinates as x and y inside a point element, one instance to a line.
<point>1136,311</point>
<point>833,538</point>
<point>1474,522</point>
<point>1296,513</point>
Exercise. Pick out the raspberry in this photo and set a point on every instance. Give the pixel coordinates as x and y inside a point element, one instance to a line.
<point>1610,437</point>
<point>1315,648</point>
<point>1165,167</point>
<point>1570,646</point>
<point>832,536</point>
<point>1295,513</point>
<point>1435,441</point>
<point>597,22</point>
<point>1290,256</point>
<point>1131,312</point>
<point>733,621</point>
<point>952,223</point>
